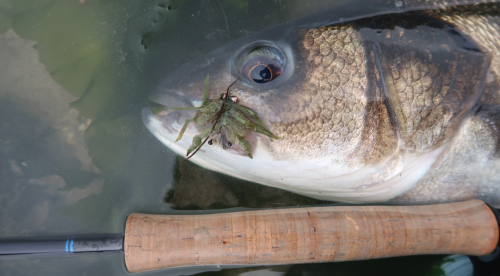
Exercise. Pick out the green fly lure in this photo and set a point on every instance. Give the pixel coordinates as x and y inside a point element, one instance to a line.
<point>225,119</point>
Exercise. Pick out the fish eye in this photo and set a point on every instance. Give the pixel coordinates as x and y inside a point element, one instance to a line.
<point>263,64</point>
<point>261,69</point>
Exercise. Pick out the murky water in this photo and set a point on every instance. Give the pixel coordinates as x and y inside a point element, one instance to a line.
<point>74,155</point>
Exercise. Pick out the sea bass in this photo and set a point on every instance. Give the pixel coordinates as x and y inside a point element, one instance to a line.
<point>401,108</point>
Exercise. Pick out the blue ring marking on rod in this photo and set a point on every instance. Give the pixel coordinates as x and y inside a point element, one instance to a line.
<point>71,246</point>
<point>67,242</point>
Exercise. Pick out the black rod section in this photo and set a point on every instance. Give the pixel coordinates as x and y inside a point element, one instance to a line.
<point>69,244</point>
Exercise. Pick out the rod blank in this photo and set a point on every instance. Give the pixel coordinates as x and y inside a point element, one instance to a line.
<point>71,244</point>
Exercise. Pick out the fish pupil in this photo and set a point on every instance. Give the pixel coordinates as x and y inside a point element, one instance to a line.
<point>261,74</point>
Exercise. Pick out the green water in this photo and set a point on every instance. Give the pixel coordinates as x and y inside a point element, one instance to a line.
<point>74,154</point>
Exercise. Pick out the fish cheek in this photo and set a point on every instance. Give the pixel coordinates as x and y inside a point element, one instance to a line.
<point>323,115</point>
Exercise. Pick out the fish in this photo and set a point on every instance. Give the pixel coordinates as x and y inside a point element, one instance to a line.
<point>402,108</point>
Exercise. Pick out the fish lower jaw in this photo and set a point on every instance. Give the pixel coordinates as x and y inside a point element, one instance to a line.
<point>318,178</point>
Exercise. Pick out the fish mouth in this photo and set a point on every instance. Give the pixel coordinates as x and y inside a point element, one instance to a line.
<point>172,121</point>
<point>165,126</point>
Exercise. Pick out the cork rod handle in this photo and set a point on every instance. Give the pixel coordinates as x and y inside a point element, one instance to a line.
<point>308,235</point>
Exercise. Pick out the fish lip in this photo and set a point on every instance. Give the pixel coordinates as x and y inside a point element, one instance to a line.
<point>167,97</point>
<point>145,114</point>
<point>175,99</point>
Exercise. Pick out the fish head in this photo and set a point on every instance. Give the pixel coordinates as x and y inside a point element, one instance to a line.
<point>362,113</point>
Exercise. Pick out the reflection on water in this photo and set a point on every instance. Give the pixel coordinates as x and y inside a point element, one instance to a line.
<point>74,155</point>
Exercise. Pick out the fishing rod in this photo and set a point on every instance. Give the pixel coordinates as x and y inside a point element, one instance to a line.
<point>286,236</point>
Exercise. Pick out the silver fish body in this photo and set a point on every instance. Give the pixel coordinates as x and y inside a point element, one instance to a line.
<point>402,108</point>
